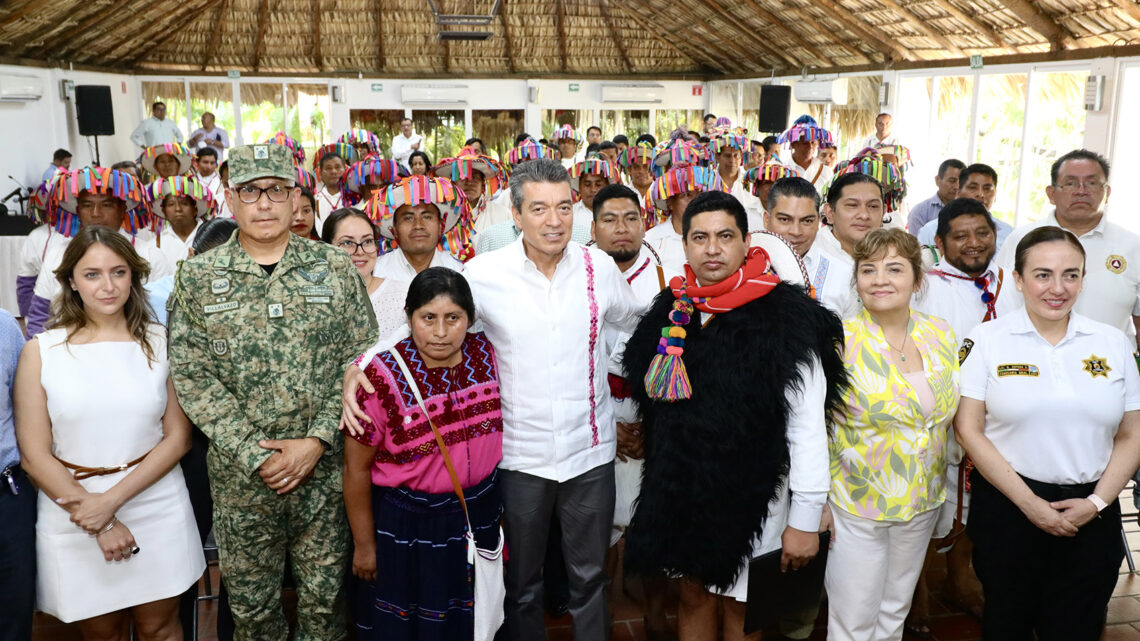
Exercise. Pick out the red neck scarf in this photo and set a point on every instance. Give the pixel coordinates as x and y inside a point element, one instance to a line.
<point>753,280</point>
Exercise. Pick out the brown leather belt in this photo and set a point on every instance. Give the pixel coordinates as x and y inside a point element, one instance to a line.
<point>80,472</point>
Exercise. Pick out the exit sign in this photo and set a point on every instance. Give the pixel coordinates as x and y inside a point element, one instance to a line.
<point>573,87</point>
<point>377,86</point>
<point>975,62</point>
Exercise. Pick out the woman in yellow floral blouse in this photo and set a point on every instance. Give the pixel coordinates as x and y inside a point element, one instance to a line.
<point>888,449</point>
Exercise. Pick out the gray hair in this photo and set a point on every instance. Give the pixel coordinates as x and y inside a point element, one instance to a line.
<point>541,170</point>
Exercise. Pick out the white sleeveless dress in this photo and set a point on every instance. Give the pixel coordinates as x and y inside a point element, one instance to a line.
<point>106,404</point>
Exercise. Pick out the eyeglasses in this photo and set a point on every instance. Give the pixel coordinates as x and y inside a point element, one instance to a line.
<point>1088,185</point>
<point>368,246</point>
<point>249,194</point>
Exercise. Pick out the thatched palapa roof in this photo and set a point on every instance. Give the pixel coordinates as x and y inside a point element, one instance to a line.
<point>540,38</point>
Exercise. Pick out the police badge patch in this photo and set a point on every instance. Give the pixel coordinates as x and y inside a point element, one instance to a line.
<point>964,351</point>
<point>1096,366</point>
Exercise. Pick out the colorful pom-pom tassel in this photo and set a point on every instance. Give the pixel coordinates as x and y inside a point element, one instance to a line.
<point>667,380</point>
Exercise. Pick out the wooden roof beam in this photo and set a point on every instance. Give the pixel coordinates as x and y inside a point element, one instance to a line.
<point>507,36</point>
<point>704,58</point>
<point>1038,21</point>
<point>28,8</point>
<point>800,41</point>
<point>913,21</point>
<point>811,22</point>
<point>262,25</point>
<point>318,59</point>
<point>215,35</point>
<point>883,43</point>
<point>976,25</point>
<point>613,36</point>
<point>560,17</point>
<point>737,57</point>
<point>750,37</point>
<point>74,36</point>
<point>180,27</point>
<point>1129,7</point>
<point>381,60</point>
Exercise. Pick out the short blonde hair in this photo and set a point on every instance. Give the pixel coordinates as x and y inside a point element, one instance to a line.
<point>876,243</point>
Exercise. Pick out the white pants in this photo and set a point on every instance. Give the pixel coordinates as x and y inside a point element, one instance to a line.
<point>871,573</point>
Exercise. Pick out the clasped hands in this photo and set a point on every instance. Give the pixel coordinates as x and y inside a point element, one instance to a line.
<point>291,463</point>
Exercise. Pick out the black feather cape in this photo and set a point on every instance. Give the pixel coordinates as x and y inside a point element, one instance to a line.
<point>714,461</point>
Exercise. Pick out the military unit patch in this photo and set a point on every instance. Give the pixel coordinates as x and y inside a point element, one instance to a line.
<point>964,351</point>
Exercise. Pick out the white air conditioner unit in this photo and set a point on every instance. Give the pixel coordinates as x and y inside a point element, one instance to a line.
<point>15,88</point>
<point>821,91</point>
<point>642,93</point>
<point>434,94</point>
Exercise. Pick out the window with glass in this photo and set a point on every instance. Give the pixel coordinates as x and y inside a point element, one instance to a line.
<point>215,98</point>
<point>750,109</point>
<point>631,122</point>
<point>385,123</point>
<point>308,115</point>
<point>498,129</point>
<point>670,119</point>
<point>1000,128</point>
<point>552,119</point>
<point>1125,160</point>
<point>1056,125</point>
<point>170,92</point>
<point>443,131</point>
<point>933,121</point>
<point>262,111</point>
<point>722,99</point>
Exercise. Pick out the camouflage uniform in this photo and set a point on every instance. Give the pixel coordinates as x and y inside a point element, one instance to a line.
<point>256,356</point>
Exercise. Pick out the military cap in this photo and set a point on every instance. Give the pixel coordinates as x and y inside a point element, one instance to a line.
<point>250,162</point>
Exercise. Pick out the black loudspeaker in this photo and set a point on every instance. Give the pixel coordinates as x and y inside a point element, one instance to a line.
<point>775,101</point>
<point>93,107</point>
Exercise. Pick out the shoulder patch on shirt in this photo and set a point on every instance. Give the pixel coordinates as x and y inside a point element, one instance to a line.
<point>964,351</point>
<point>1096,366</point>
<point>1115,263</point>
<point>1017,369</point>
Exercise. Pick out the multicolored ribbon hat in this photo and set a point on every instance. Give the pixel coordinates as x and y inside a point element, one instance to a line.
<point>723,121</point>
<point>888,174</point>
<point>67,185</point>
<point>346,151</point>
<point>414,190</point>
<point>180,152</point>
<point>531,149</point>
<point>382,171</point>
<point>565,132</point>
<point>306,179</point>
<point>805,128</point>
<point>38,202</point>
<point>642,153</point>
<point>280,138</point>
<point>901,154</point>
<point>728,138</point>
<point>766,173</point>
<point>679,180</point>
<point>361,137</point>
<point>466,162</point>
<point>595,165</point>
<point>680,153</point>
<point>157,191</point>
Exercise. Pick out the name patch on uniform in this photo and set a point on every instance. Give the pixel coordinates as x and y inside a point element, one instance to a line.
<point>964,351</point>
<point>220,347</point>
<point>1096,366</point>
<point>219,285</point>
<point>1017,369</point>
<point>1116,264</point>
<point>317,290</point>
<point>318,299</point>
<point>221,307</point>
<point>276,310</point>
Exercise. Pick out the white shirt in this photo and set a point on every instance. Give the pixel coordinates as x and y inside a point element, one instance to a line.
<point>752,205</point>
<point>153,131</point>
<point>578,157</point>
<point>395,265</point>
<point>217,133</point>
<point>174,248</point>
<point>873,141</point>
<point>491,211</point>
<point>33,250</point>
<point>816,172</point>
<point>541,330</point>
<point>1052,411</point>
<point>669,246</point>
<point>47,287</point>
<point>1111,291</point>
<point>831,270</point>
<point>582,214</point>
<point>959,301</point>
<point>326,204</point>
<point>402,147</point>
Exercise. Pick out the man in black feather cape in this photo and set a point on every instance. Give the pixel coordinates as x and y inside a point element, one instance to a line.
<point>735,373</point>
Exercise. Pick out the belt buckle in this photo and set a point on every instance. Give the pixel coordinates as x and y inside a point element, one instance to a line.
<point>11,478</point>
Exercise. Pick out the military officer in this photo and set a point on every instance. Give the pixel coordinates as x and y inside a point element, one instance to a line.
<point>260,331</point>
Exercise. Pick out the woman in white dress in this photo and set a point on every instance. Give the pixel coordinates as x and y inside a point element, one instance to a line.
<point>351,230</point>
<point>101,432</point>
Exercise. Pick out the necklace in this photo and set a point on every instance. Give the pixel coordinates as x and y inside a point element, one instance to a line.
<point>900,351</point>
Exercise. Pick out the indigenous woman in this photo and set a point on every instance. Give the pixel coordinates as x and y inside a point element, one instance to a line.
<point>419,163</point>
<point>180,206</point>
<point>354,232</point>
<point>888,447</point>
<point>166,160</point>
<point>100,433</point>
<point>407,522</point>
<point>305,216</point>
<point>1051,418</point>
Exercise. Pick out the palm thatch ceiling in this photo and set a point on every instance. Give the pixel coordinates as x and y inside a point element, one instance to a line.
<point>542,38</point>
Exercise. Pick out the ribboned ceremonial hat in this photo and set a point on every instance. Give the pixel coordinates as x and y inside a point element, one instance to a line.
<point>267,160</point>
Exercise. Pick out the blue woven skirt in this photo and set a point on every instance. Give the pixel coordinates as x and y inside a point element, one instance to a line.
<point>423,584</point>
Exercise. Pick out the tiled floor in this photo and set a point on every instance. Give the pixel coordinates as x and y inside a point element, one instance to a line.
<point>946,624</point>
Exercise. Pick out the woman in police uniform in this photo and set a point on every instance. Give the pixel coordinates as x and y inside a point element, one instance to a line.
<point>1050,415</point>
